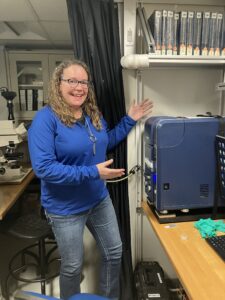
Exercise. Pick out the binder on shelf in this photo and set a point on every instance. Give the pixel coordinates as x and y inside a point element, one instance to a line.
<point>35,100</point>
<point>176,33</point>
<point>218,34</point>
<point>40,99</point>
<point>22,99</point>
<point>155,24</point>
<point>223,37</point>
<point>170,32</point>
<point>183,33</point>
<point>190,32</point>
<point>164,31</point>
<point>146,30</point>
<point>205,33</point>
<point>197,33</point>
<point>29,101</point>
<point>212,33</point>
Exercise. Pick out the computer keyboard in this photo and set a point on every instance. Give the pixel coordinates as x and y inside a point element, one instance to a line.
<point>218,244</point>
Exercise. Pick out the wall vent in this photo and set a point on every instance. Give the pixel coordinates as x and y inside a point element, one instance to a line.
<point>204,190</point>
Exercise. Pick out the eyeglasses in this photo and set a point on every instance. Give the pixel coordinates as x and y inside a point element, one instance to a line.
<point>74,83</point>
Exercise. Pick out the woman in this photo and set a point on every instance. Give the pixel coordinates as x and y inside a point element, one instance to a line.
<point>68,141</point>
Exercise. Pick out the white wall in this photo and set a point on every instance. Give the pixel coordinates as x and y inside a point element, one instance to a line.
<point>176,91</point>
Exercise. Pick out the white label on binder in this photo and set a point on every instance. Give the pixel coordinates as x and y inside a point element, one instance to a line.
<point>40,99</point>
<point>29,99</point>
<point>23,100</point>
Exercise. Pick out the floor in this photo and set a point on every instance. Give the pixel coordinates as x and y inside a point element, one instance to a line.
<point>52,289</point>
<point>9,246</point>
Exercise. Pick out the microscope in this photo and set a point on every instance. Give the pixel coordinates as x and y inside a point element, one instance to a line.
<point>11,170</point>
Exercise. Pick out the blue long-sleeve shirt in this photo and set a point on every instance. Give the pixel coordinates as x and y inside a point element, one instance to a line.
<point>63,158</point>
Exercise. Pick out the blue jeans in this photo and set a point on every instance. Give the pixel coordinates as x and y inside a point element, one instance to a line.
<point>102,223</point>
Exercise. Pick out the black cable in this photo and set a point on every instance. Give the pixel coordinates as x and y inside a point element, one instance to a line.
<point>132,171</point>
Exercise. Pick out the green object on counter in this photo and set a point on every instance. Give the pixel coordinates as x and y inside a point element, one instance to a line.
<point>209,227</point>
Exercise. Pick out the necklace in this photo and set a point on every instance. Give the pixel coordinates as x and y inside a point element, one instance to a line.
<point>92,137</point>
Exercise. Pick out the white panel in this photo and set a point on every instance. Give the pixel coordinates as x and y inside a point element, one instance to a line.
<point>57,30</point>
<point>130,85</point>
<point>18,10</point>
<point>176,91</point>
<point>129,27</point>
<point>183,91</point>
<point>36,28</point>
<point>48,10</point>
<point>26,31</point>
<point>153,250</point>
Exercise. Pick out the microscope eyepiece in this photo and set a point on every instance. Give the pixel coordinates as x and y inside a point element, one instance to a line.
<point>8,95</point>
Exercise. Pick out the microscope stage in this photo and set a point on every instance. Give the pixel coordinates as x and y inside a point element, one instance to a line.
<point>16,178</point>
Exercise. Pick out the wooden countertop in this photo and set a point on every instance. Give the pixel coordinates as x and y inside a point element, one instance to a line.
<point>200,270</point>
<point>9,193</point>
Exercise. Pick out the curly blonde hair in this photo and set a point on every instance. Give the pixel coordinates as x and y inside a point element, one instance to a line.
<point>61,108</point>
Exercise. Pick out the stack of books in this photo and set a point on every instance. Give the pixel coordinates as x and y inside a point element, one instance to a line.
<point>30,99</point>
<point>188,32</point>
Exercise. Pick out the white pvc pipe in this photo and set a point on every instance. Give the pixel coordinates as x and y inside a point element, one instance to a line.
<point>141,61</point>
<point>135,61</point>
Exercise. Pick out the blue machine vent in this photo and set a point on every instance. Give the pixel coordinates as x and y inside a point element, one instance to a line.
<point>204,190</point>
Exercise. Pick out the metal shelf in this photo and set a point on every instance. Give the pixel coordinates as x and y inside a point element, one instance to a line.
<point>190,60</point>
<point>145,61</point>
<point>30,86</point>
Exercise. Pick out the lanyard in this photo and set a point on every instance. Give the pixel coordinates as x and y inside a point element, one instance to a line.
<point>92,137</point>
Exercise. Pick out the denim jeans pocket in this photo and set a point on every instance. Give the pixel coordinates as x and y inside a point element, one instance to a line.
<point>67,220</point>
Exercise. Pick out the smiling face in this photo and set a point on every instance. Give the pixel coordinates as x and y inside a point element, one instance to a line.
<point>74,96</point>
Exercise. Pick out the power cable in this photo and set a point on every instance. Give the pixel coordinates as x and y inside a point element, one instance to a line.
<point>131,173</point>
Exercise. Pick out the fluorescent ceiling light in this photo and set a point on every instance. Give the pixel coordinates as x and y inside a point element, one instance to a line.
<point>10,27</point>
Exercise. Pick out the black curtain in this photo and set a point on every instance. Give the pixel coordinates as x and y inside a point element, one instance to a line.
<point>95,36</point>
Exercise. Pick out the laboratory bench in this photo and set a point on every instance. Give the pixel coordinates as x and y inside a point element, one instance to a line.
<point>199,268</point>
<point>10,193</point>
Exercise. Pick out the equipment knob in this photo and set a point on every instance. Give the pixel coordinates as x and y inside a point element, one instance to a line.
<point>2,170</point>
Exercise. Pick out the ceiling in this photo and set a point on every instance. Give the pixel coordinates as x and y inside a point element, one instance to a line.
<point>35,24</point>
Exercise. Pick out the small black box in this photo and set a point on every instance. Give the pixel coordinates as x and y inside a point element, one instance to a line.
<point>149,281</point>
